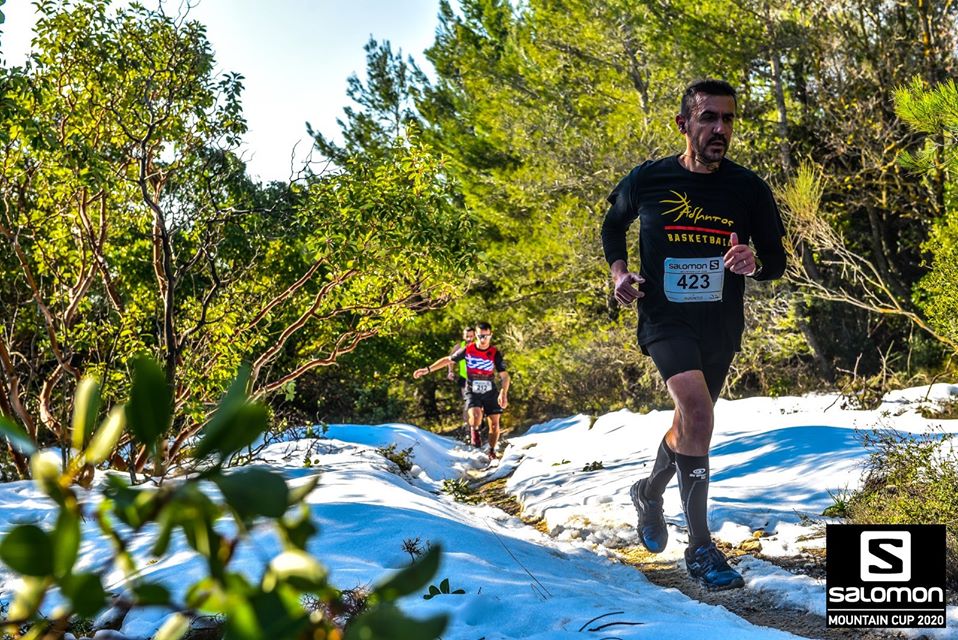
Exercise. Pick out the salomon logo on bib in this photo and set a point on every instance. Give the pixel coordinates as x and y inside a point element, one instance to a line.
<point>693,279</point>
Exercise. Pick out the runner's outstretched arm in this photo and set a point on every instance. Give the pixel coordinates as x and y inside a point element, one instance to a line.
<point>435,366</point>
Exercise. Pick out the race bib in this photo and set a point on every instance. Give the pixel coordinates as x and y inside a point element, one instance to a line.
<point>481,386</point>
<point>694,279</point>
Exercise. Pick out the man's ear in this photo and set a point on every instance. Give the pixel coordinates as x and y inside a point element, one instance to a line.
<point>680,121</point>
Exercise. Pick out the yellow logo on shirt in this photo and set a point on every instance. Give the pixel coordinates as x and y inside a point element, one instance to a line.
<point>685,212</point>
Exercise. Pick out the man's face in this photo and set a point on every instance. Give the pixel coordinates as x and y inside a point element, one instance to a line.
<point>469,336</point>
<point>709,126</point>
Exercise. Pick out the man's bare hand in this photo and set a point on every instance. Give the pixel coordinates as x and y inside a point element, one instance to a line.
<point>503,399</point>
<point>740,258</point>
<point>627,287</point>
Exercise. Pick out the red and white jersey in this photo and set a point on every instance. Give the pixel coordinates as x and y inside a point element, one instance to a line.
<point>481,364</point>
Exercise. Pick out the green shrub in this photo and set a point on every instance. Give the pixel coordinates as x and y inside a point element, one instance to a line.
<point>946,410</point>
<point>910,479</point>
<point>460,490</point>
<point>839,506</point>
<point>293,586</point>
<point>402,458</point>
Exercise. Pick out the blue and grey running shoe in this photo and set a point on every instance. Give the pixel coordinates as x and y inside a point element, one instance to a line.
<point>708,565</point>
<point>652,531</point>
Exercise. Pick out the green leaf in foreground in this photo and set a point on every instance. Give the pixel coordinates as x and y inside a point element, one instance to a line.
<point>27,549</point>
<point>28,597</point>
<point>174,628</point>
<point>105,439</point>
<point>135,506</point>
<point>66,542</point>
<point>86,405</point>
<point>229,433</point>
<point>296,530</point>
<point>255,491</point>
<point>86,593</point>
<point>387,622</point>
<point>234,398</point>
<point>410,579</point>
<point>262,615</point>
<point>150,409</point>
<point>151,594</point>
<point>297,568</point>
<point>17,436</point>
<point>300,493</point>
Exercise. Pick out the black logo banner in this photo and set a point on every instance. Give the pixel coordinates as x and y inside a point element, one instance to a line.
<point>885,576</point>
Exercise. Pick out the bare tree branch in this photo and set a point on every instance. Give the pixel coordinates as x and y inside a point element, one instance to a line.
<point>346,343</point>
<point>854,279</point>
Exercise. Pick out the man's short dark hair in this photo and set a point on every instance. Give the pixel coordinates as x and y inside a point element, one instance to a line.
<point>464,329</point>
<point>710,88</point>
<point>484,325</point>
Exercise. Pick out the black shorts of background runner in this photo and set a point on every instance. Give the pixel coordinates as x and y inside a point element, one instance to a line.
<point>681,353</point>
<point>488,402</point>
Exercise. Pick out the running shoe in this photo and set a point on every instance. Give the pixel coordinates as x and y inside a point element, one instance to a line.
<point>708,565</point>
<point>652,530</point>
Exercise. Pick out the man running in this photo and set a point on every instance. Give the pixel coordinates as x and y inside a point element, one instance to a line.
<point>483,361</point>
<point>697,213</point>
<point>458,375</point>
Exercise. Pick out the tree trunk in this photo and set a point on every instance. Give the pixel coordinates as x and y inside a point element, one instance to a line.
<point>785,159</point>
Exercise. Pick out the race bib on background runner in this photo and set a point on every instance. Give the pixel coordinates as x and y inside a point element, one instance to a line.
<point>481,386</point>
<point>694,279</point>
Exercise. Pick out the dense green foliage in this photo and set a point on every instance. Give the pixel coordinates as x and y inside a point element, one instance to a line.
<point>543,106</point>
<point>934,112</point>
<point>910,479</point>
<point>272,607</point>
<point>474,192</point>
<point>129,226</point>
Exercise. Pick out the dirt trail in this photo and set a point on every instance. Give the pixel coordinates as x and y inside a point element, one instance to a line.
<point>754,606</point>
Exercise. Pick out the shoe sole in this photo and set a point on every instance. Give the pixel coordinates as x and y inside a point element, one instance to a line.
<point>738,584</point>
<point>634,494</point>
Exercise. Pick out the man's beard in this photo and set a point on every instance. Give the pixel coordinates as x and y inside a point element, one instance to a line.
<point>708,154</point>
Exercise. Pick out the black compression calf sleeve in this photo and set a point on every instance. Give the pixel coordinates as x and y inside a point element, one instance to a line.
<point>693,473</point>
<point>662,472</point>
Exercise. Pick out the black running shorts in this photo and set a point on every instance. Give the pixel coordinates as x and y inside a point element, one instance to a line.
<point>488,401</point>
<point>682,353</point>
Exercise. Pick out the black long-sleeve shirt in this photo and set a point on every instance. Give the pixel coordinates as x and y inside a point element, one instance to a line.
<point>686,220</point>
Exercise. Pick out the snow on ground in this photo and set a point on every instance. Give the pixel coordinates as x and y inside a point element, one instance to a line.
<point>774,461</point>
